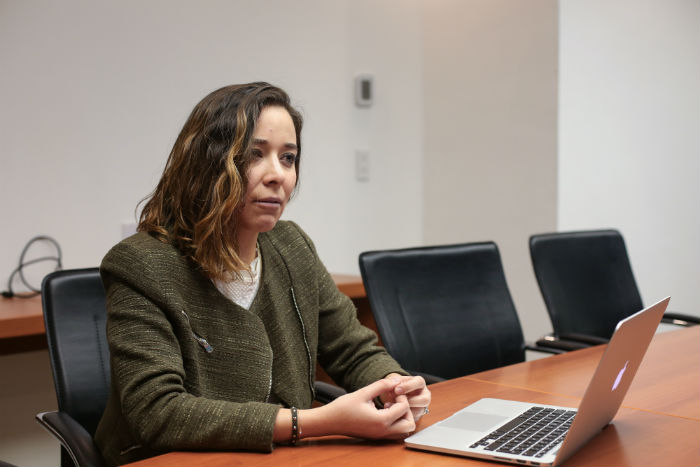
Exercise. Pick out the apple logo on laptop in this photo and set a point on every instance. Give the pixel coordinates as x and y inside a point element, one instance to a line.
<point>619,376</point>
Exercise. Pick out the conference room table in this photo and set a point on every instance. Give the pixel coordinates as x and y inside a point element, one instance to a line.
<point>657,425</point>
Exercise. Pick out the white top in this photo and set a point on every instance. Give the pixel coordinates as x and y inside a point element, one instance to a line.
<point>242,291</point>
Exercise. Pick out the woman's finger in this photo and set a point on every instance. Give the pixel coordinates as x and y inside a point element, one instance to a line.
<point>410,384</point>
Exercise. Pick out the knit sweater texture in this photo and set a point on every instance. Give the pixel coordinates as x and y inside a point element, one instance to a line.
<point>191,370</point>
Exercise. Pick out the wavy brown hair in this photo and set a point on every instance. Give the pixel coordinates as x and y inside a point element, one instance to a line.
<point>195,205</point>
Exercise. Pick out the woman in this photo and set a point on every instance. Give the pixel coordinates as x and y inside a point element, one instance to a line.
<point>218,311</point>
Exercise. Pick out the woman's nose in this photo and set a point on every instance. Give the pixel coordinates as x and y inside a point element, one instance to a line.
<point>274,172</point>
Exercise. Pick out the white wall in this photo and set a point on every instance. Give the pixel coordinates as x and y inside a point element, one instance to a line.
<point>94,93</point>
<point>629,135</point>
<point>490,92</point>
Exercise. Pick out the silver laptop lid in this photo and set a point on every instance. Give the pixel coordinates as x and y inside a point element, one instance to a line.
<point>613,377</point>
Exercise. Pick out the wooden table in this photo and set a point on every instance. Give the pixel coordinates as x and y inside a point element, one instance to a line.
<point>669,368</point>
<point>658,425</point>
<point>21,325</point>
<point>22,319</point>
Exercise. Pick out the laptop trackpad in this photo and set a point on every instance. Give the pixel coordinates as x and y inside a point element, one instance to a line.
<point>473,421</point>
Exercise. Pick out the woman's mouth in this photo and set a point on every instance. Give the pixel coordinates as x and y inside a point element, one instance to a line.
<point>271,203</point>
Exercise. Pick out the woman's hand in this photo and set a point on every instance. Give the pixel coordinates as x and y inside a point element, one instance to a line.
<point>353,414</point>
<point>358,416</point>
<point>413,388</point>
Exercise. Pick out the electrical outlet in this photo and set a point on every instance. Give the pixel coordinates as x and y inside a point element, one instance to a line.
<point>362,165</point>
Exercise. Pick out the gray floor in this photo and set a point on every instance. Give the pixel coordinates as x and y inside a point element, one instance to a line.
<point>26,388</point>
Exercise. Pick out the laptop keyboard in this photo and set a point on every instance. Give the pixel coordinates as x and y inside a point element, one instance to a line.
<point>532,433</point>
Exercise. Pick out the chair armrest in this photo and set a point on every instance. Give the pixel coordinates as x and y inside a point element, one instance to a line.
<point>326,392</point>
<point>680,319</point>
<point>546,348</point>
<point>584,339</point>
<point>564,345</point>
<point>73,437</point>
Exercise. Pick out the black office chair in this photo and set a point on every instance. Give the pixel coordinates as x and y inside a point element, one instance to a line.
<point>588,285</point>
<point>75,317</point>
<point>444,311</point>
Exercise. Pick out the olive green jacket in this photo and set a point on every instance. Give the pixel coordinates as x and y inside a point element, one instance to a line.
<point>191,370</point>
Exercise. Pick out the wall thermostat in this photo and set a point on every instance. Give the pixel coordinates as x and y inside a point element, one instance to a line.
<point>364,90</point>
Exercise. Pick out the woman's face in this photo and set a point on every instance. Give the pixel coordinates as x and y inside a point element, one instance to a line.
<point>271,173</point>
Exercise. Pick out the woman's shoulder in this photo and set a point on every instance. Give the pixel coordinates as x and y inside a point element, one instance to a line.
<point>142,253</point>
<point>287,235</point>
<point>140,244</point>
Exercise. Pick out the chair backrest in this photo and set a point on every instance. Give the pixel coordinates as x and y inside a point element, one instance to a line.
<point>586,280</point>
<point>75,317</point>
<point>443,310</point>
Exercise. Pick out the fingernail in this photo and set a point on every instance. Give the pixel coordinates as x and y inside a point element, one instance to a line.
<point>399,390</point>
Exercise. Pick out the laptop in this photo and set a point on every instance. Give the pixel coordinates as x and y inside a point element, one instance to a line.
<point>545,435</point>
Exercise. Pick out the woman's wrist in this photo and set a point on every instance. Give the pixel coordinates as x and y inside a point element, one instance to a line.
<point>296,428</point>
<point>315,422</point>
<point>309,423</point>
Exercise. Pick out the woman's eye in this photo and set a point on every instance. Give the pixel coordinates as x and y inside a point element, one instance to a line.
<point>289,159</point>
<point>256,153</point>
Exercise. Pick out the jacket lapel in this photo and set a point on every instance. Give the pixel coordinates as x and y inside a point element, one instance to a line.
<point>292,375</point>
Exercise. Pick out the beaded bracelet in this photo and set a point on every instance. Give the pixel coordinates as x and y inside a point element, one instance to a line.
<point>295,427</point>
